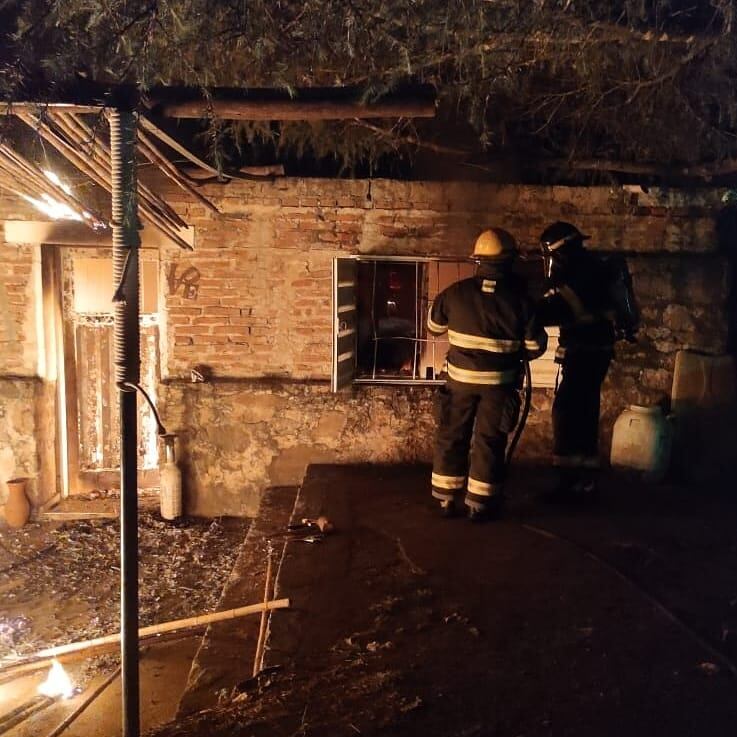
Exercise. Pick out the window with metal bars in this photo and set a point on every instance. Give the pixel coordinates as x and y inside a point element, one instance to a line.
<point>380,307</point>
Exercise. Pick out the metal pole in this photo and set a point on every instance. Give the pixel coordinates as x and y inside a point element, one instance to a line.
<point>126,243</point>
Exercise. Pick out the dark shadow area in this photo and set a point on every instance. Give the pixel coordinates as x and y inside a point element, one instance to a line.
<point>604,619</point>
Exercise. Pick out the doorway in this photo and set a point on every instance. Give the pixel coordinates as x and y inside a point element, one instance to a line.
<point>90,422</point>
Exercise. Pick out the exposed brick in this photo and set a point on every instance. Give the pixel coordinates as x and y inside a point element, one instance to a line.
<point>191,329</point>
<point>207,320</point>
<point>272,268</point>
<point>209,339</point>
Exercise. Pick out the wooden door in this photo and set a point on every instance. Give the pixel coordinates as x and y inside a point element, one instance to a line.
<point>92,398</point>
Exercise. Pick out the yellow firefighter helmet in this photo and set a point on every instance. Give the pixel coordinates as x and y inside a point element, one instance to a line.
<point>495,244</point>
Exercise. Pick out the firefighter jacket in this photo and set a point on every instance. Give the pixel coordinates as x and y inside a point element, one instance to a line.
<point>578,299</point>
<point>491,327</point>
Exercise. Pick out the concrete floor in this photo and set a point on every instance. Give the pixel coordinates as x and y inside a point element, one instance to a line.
<point>612,618</point>
<point>609,619</point>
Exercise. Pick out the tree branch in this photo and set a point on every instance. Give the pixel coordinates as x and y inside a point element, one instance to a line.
<point>410,140</point>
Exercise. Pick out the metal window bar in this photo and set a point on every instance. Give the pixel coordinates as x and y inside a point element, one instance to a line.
<point>417,329</point>
<point>423,302</point>
<point>373,322</point>
<point>437,276</point>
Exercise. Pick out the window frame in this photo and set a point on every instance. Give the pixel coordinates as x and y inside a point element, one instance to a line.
<point>341,305</point>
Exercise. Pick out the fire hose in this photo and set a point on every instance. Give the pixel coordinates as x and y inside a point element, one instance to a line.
<point>527,401</point>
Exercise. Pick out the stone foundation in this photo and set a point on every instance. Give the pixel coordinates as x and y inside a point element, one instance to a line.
<point>27,436</point>
<point>237,438</point>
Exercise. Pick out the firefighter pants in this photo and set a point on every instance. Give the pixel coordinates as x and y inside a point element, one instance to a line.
<point>576,409</point>
<point>478,418</point>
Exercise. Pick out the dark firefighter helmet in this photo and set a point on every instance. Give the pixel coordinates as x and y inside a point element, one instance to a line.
<point>495,244</point>
<point>561,234</point>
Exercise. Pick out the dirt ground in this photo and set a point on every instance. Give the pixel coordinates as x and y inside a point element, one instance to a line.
<point>613,618</point>
<point>60,582</point>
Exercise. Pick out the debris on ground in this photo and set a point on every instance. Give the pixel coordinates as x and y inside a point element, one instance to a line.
<point>497,630</point>
<point>708,668</point>
<point>60,583</point>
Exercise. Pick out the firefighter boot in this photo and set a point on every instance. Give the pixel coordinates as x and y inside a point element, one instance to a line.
<point>493,509</point>
<point>448,508</point>
<point>587,485</point>
<point>565,487</point>
<point>448,499</point>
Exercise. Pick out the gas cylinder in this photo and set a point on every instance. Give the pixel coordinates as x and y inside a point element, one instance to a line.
<point>642,440</point>
<point>170,481</point>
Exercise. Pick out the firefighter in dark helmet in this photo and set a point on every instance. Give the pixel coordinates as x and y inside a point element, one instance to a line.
<point>491,328</point>
<point>579,300</point>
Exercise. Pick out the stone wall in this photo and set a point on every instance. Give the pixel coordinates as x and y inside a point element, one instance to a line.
<point>239,437</point>
<point>253,304</point>
<point>27,422</point>
<point>27,436</point>
<point>258,315</point>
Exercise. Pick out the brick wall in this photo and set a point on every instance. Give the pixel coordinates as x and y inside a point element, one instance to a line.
<point>253,303</point>
<point>263,303</point>
<point>17,315</point>
<point>26,401</point>
<point>260,317</point>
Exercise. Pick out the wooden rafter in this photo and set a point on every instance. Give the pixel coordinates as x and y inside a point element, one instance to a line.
<point>172,143</point>
<point>253,173</point>
<point>96,148</point>
<point>13,108</point>
<point>76,142</point>
<point>25,179</point>
<point>147,147</point>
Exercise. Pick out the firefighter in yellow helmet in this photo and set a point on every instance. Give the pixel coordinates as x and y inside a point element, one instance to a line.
<point>491,328</point>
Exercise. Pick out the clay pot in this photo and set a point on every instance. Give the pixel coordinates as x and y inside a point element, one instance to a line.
<point>17,507</point>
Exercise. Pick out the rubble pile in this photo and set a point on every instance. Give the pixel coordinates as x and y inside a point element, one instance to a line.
<point>62,584</point>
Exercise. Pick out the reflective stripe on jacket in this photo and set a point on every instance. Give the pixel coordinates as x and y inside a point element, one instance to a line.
<point>491,327</point>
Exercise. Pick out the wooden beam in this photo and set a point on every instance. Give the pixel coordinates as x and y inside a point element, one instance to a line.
<point>147,125</point>
<point>309,103</point>
<point>701,170</point>
<point>15,166</point>
<point>97,152</point>
<point>266,173</point>
<point>245,109</point>
<point>147,147</point>
<point>11,108</point>
<point>8,664</point>
<point>151,207</point>
<point>71,233</point>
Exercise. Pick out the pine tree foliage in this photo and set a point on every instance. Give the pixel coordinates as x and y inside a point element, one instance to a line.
<point>635,80</point>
